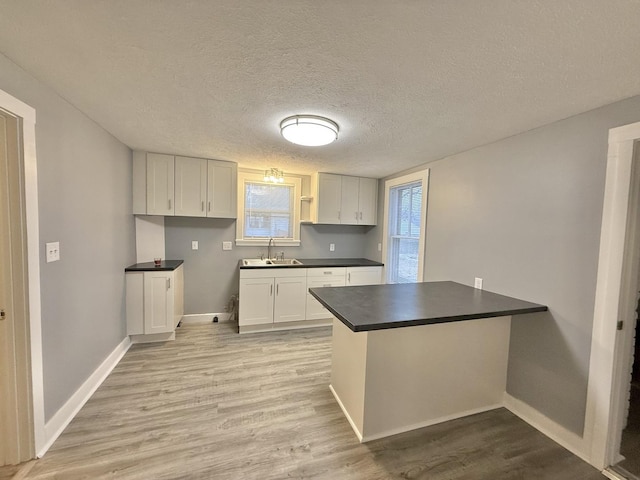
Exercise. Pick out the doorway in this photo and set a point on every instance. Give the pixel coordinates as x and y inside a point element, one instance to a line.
<point>16,422</point>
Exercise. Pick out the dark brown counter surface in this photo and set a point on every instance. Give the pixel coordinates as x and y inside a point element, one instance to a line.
<point>378,307</point>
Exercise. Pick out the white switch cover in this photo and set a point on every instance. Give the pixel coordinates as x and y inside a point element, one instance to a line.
<point>478,283</point>
<point>194,244</point>
<point>53,252</point>
<point>379,247</point>
<point>332,247</point>
<point>226,245</point>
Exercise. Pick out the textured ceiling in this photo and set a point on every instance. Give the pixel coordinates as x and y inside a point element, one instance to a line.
<point>408,81</point>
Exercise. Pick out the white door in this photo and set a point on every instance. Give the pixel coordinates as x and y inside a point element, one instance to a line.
<point>349,211</point>
<point>190,186</point>
<point>16,440</point>
<point>256,301</point>
<point>404,228</point>
<point>160,184</point>
<point>290,300</point>
<point>158,302</point>
<point>329,198</point>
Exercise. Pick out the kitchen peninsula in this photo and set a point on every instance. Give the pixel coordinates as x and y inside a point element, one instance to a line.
<point>405,356</point>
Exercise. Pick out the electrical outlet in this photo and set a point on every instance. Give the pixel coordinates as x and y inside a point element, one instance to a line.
<point>194,244</point>
<point>478,283</point>
<point>379,247</point>
<point>332,247</point>
<point>226,245</point>
<point>53,252</point>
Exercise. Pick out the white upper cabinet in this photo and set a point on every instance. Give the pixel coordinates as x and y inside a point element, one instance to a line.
<point>160,184</point>
<point>345,200</point>
<point>183,186</point>
<point>191,187</point>
<point>222,196</point>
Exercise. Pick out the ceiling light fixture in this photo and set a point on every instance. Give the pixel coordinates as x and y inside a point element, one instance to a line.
<point>309,130</point>
<point>274,175</point>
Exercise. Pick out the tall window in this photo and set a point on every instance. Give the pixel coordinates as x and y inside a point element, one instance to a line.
<point>405,217</point>
<point>267,210</point>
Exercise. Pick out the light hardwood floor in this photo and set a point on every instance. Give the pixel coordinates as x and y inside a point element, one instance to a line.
<point>217,405</point>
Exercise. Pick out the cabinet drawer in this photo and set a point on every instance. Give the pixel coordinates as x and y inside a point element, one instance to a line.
<point>327,272</point>
<point>317,282</point>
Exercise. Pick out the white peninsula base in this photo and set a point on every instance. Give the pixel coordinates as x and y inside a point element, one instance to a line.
<point>399,379</point>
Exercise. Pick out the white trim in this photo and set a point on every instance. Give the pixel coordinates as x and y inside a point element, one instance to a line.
<point>56,425</point>
<point>28,116</point>
<point>556,432</point>
<point>612,475</point>
<point>346,414</point>
<point>202,318</point>
<point>422,176</point>
<point>601,385</point>
<point>433,421</point>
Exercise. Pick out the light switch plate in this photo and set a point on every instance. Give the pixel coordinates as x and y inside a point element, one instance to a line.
<point>194,244</point>
<point>332,247</point>
<point>53,252</point>
<point>478,283</point>
<point>226,245</point>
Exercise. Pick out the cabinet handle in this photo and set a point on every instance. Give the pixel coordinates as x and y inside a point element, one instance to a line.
<point>349,277</point>
<point>277,289</point>
<point>168,283</point>
<point>203,205</point>
<point>356,215</point>
<point>338,214</point>
<point>169,201</point>
<point>327,273</point>
<point>360,215</point>
<point>271,290</point>
<point>209,206</point>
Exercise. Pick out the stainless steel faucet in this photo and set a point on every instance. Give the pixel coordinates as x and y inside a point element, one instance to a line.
<point>271,243</point>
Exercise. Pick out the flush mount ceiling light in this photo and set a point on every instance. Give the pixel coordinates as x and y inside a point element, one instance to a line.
<point>274,175</point>
<point>309,130</point>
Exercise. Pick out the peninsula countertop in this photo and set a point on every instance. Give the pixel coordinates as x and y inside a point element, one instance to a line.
<point>377,307</point>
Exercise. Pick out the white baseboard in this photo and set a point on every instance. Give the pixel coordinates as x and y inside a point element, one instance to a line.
<point>346,414</point>
<point>435,421</point>
<point>56,424</point>
<point>556,432</point>
<point>205,318</point>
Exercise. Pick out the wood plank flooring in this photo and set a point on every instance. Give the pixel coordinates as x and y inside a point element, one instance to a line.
<point>217,405</point>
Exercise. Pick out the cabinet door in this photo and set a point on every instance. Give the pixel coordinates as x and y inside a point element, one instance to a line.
<point>256,301</point>
<point>329,198</point>
<point>160,184</point>
<point>315,310</point>
<point>349,204</point>
<point>364,276</point>
<point>290,301</point>
<point>190,187</point>
<point>222,189</point>
<point>368,201</point>
<point>158,302</point>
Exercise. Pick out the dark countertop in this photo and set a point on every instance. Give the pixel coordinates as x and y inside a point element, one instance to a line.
<point>166,265</point>
<point>377,307</point>
<point>323,263</point>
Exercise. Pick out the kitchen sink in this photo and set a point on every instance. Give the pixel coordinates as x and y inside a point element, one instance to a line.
<point>259,262</point>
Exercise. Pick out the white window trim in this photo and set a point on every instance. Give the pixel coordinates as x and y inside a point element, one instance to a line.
<point>255,177</point>
<point>422,176</point>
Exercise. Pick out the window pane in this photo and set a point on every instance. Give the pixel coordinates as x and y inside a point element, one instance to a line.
<point>404,232</point>
<point>268,210</point>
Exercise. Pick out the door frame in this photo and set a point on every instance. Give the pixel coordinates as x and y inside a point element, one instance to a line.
<point>423,176</point>
<point>27,118</point>
<point>615,286</point>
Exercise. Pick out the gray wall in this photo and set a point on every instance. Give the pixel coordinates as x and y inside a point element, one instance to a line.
<point>211,274</point>
<point>525,215</point>
<point>84,190</point>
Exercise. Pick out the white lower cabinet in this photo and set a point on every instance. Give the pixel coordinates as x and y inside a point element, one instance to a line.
<point>322,277</point>
<point>279,298</point>
<point>154,303</point>
<point>271,296</point>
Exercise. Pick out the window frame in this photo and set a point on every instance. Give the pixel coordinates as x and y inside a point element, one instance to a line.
<point>423,177</point>
<point>245,176</point>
